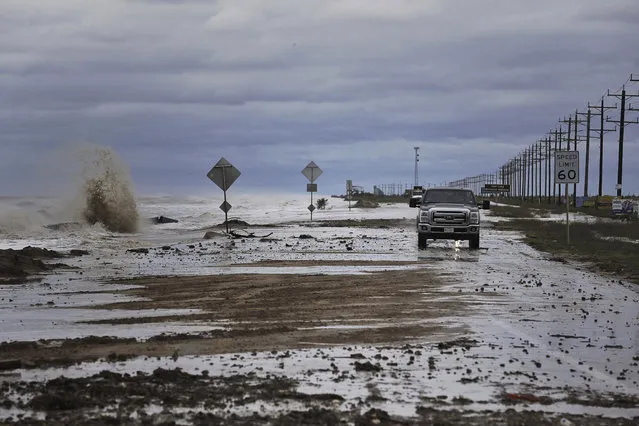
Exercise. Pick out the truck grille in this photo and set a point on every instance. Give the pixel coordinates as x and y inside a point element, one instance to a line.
<point>450,218</point>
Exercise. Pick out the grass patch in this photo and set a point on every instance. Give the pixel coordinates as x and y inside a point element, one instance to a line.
<point>527,210</point>
<point>381,199</point>
<point>512,212</point>
<point>602,245</point>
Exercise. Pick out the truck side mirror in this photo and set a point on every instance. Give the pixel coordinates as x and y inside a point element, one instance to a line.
<point>415,201</point>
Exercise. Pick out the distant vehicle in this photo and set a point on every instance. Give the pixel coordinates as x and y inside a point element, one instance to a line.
<point>416,196</point>
<point>447,214</point>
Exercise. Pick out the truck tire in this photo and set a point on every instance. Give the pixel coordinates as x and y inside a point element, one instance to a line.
<point>473,243</point>
<point>422,242</point>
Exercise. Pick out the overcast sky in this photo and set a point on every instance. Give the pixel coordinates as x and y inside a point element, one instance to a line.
<point>270,85</point>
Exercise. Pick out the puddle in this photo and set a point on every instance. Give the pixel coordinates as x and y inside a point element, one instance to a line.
<point>619,239</point>
<point>57,308</point>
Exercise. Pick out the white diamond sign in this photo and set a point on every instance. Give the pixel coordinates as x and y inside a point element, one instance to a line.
<point>312,171</point>
<point>225,206</point>
<point>223,174</point>
<point>311,208</point>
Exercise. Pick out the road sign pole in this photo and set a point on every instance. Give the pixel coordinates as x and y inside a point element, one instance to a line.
<point>567,217</point>
<point>223,174</point>
<point>567,171</point>
<point>309,171</point>
<point>226,212</point>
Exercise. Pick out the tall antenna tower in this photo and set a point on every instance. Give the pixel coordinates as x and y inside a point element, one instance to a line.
<point>416,168</point>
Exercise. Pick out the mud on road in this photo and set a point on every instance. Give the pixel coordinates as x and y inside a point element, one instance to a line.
<point>270,311</point>
<point>378,333</point>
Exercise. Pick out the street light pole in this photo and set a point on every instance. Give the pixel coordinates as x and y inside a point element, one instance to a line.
<point>416,168</point>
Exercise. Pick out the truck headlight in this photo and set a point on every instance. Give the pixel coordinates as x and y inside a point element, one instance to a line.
<point>474,218</point>
<point>424,216</point>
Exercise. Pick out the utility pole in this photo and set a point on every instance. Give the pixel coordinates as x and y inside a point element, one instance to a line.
<point>531,175</point>
<point>537,171</point>
<point>536,165</point>
<point>416,166</point>
<point>513,173</point>
<point>535,157</point>
<point>554,186</point>
<point>511,178</point>
<point>558,139</point>
<point>520,168</point>
<point>601,113</point>
<point>520,172</point>
<point>528,173</point>
<point>574,187</point>
<point>520,176</point>
<point>548,168</point>
<point>622,123</point>
<point>540,170</point>
<point>588,118</point>
<point>559,134</point>
<point>570,122</point>
<point>507,177</point>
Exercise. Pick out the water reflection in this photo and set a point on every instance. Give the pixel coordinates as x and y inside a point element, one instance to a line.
<point>442,250</point>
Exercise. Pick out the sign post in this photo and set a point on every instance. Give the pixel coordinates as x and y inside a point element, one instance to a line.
<point>349,192</point>
<point>312,172</point>
<point>495,188</point>
<point>224,174</point>
<point>566,172</point>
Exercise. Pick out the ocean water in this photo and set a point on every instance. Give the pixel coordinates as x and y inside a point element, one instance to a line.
<point>59,304</point>
<point>27,221</point>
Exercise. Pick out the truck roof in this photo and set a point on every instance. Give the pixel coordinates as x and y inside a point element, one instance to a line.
<point>445,188</point>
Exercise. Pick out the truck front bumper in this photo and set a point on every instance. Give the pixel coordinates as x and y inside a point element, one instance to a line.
<point>457,232</point>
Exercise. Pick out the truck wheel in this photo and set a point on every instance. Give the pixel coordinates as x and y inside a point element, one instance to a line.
<point>421,241</point>
<point>474,243</point>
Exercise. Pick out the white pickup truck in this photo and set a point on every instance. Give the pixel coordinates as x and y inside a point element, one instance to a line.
<point>447,214</point>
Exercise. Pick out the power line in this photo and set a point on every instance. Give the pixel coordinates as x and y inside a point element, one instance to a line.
<point>523,172</point>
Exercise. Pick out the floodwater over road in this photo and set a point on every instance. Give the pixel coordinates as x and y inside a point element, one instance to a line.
<point>542,333</point>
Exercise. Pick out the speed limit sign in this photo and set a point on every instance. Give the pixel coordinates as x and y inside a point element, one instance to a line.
<point>567,167</point>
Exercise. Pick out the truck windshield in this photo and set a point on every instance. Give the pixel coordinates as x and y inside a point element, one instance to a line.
<point>449,196</point>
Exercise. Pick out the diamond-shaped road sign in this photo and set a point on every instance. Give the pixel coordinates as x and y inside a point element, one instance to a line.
<point>225,206</point>
<point>312,171</point>
<point>223,174</point>
<point>311,208</point>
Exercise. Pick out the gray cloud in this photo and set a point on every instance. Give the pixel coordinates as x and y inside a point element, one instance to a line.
<point>352,84</point>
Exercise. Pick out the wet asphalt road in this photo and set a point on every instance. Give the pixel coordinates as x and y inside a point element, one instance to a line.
<point>552,327</point>
<point>540,328</point>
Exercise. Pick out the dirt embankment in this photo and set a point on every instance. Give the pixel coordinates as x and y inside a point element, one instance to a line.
<point>19,264</point>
